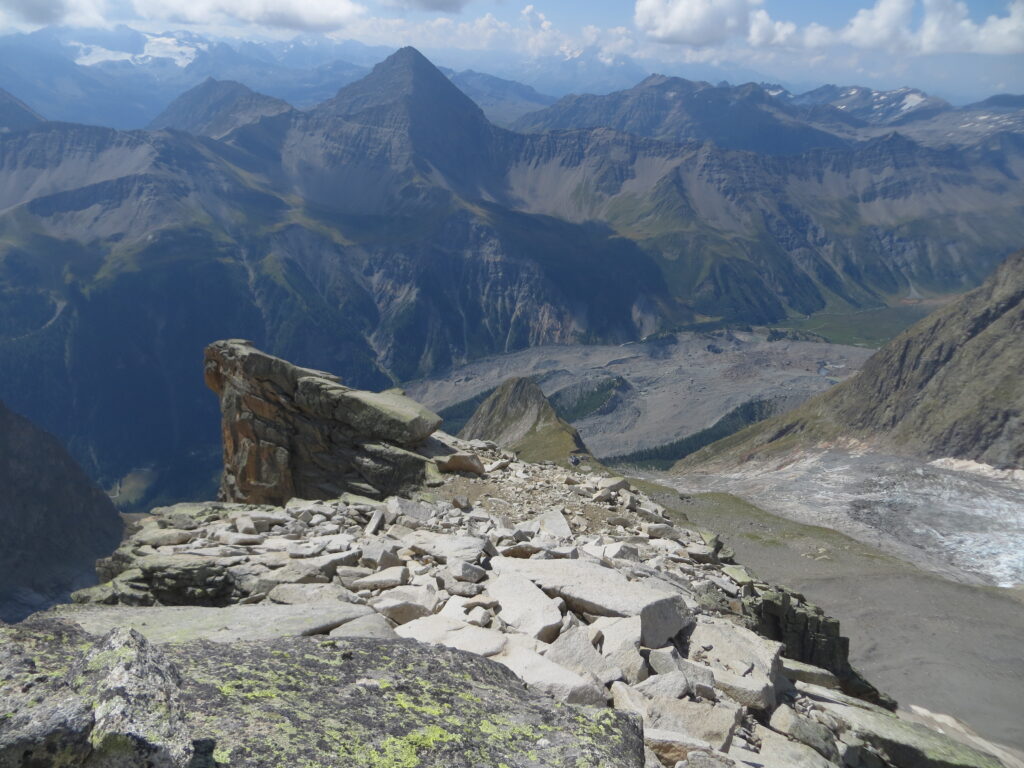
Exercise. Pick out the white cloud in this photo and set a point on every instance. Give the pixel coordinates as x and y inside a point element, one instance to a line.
<point>765,32</point>
<point>817,36</point>
<point>42,12</point>
<point>884,25</point>
<point>694,22</point>
<point>35,11</point>
<point>947,28</point>
<point>445,6</point>
<point>287,14</point>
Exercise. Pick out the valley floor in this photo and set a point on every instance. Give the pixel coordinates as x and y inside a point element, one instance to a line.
<point>666,389</point>
<point>947,646</point>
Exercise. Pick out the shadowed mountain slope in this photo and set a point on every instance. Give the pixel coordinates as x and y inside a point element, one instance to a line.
<point>215,108</point>
<point>503,101</point>
<point>393,232</point>
<point>16,115</point>
<point>951,386</point>
<point>56,522</point>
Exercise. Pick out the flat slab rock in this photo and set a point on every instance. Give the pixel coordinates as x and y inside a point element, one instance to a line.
<point>585,586</point>
<point>283,702</point>
<point>235,623</point>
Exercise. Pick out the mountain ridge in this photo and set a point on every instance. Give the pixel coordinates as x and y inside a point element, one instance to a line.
<point>214,108</point>
<point>519,417</point>
<point>16,115</point>
<point>949,387</point>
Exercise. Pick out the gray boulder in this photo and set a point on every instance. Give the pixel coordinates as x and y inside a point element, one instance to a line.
<point>121,702</point>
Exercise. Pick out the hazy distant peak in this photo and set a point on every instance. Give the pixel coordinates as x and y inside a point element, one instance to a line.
<point>16,115</point>
<point>214,108</point>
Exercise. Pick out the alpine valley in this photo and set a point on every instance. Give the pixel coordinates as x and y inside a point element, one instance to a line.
<point>393,231</point>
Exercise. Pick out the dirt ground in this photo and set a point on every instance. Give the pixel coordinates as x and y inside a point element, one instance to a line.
<point>949,647</point>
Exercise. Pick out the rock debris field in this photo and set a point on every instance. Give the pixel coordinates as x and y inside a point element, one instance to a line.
<point>493,612</point>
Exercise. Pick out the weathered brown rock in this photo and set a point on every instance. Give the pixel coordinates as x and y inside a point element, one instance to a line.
<point>295,432</point>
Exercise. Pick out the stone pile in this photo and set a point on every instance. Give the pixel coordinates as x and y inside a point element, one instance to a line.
<point>575,581</point>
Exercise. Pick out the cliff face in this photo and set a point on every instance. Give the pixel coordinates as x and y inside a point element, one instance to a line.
<point>516,613</point>
<point>950,386</point>
<point>56,522</point>
<point>294,432</point>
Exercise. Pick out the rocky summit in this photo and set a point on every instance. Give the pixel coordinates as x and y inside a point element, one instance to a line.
<point>511,613</point>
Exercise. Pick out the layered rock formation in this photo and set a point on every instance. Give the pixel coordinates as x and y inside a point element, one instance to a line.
<point>948,387</point>
<point>291,431</point>
<point>518,416</point>
<point>56,522</point>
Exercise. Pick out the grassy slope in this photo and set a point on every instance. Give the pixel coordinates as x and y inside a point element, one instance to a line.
<point>950,385</point>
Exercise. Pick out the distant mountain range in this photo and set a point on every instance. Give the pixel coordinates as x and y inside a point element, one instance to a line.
<point>393,230</point>
<point>124,79</point>
<point>951,386</point>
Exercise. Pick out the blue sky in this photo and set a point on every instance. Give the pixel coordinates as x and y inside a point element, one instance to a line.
<point>960,49</point>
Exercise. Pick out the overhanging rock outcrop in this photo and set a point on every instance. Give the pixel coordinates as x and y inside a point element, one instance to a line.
<point>296,432</point>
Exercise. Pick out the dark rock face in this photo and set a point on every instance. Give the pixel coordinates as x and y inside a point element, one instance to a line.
<point>294,432</point>
<point>811,637</point>
<point>120,701</point>
<point>56,522</point>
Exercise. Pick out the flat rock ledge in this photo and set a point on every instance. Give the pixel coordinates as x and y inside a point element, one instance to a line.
<point>648,645</point>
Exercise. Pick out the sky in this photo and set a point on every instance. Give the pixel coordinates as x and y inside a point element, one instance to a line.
<point>951,47</point>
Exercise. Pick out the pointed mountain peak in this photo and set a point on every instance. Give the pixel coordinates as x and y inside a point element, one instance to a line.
<point>408,57</point>
<point>406,76</point>
<point>214,108</point>
<point>519,417</point>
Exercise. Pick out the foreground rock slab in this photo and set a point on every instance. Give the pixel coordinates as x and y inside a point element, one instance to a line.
<point>235,623</point>
<point>121,700</point>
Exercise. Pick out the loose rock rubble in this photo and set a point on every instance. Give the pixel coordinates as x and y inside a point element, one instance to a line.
<point>575,581</point>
